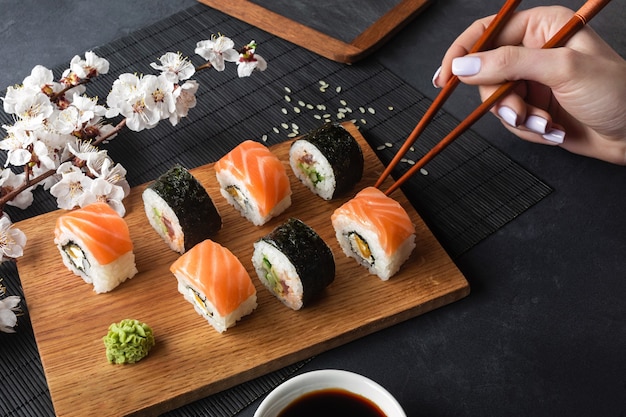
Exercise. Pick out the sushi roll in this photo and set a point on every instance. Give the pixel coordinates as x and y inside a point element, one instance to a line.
<point>294,263</point>
<point>95,244</point>
<point>180,210</point>
<point>328,160</point>
<point>254,181</point>
<point>215,282</point>
<point>375,230</point>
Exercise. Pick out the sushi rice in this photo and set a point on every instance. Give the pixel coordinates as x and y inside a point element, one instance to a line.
<point>312,168</point>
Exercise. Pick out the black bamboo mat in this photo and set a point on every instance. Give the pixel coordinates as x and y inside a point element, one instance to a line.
<point>468,192</point>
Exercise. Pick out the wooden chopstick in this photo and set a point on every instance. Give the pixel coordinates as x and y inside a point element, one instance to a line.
<point>492,30</point>
<point>580,19</point>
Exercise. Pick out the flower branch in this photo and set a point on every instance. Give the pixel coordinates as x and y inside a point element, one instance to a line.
<point>58,130</point>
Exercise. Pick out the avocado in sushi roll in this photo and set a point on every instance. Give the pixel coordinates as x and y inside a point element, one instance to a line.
<point>327,160</point>
<point>180,210</point>
<point>294,263</point>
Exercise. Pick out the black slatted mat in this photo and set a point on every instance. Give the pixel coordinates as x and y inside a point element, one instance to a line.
<point>468,192</point>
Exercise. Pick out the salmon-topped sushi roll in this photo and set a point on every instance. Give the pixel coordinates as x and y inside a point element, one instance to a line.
<point>375,230</point>
<point>95,244</point>
<point>213,279</point>
<point>254,181</point>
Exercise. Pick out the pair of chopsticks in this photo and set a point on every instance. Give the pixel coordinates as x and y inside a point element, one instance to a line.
<point>580,19</point>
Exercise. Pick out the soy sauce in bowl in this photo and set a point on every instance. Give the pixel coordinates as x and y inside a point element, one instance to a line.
<point>331,403</point>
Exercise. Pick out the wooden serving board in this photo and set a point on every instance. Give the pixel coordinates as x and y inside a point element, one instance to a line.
<point>191,360</point>
<point>325,45</point>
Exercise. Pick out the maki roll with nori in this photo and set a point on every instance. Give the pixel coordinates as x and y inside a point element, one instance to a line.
<point>180,210</point>
<point>294,263</point>
<point>328,160</point>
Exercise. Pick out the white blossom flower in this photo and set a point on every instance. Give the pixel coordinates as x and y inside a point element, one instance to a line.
<point>30,105</point>
<point>130,98</point>
<point>185,100</point>
<point>249,61</point>
<point>85,151</point>
<point>115,174</point>
<point>16,144</point>
<point>12,240</point>
<point>175,67</point>
<point>103,191</point>
<point>10,181</point>
<point>42,79</point>
<point>8,308</point>
<point>159,93</point>
<point>217,50</point>
<point>70,189</point>
<point>90,67</point>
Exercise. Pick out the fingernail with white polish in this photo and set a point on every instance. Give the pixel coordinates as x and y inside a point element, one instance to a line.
<point>466,65</point>
<point>536,124</point>
<point>508,115</point>
<point>435,77</point>
<point>555,135</point>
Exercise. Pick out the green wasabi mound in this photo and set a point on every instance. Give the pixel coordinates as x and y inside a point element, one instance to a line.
<point>128,341</point>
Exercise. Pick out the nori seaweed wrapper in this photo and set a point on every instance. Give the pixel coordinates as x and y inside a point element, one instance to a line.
<point>308,253</point>
<point>342,152</point>
<point>194,208</point>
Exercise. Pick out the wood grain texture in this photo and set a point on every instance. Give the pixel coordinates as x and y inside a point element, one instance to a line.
<point>191,360</point>
<point>314,40</point>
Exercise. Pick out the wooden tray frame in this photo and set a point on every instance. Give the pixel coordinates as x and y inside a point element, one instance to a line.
<point>327,46</point>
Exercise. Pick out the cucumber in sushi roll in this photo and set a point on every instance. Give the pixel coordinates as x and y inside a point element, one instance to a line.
<point>294,263</point>
<point>180,210</point>
<point>328,160</point>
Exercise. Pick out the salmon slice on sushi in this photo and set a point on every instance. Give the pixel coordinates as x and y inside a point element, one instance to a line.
<point>215,282</point>
<point>375,230</point>
<point>95,244</point>
<point>254,181</point>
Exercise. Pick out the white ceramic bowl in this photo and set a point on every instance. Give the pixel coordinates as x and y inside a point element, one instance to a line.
<point>297,386</point>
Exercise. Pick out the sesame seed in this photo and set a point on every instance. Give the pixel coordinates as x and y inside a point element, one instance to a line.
<point>287,89</point>
<point>338,89</point>
<point>317,116</point>
<point>343,102</point>
<point>423,171</point>
<point>275,129</point>
<point>301,103</point>
<point>292,135</point>
<point>264,138</point>
<point>388,144</point>
<point>362,109</point>
<point>287,99</point>
<point>296,109</point>
<point>380,147</point>
<point>284,110</point>
<point>309,106</point>
<point>390,108</point>
<point>284,125</point>
<point>363,121</point>
<point>371,110</point>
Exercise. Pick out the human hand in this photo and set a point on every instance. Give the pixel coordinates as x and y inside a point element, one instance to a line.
<point>574,96</point>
